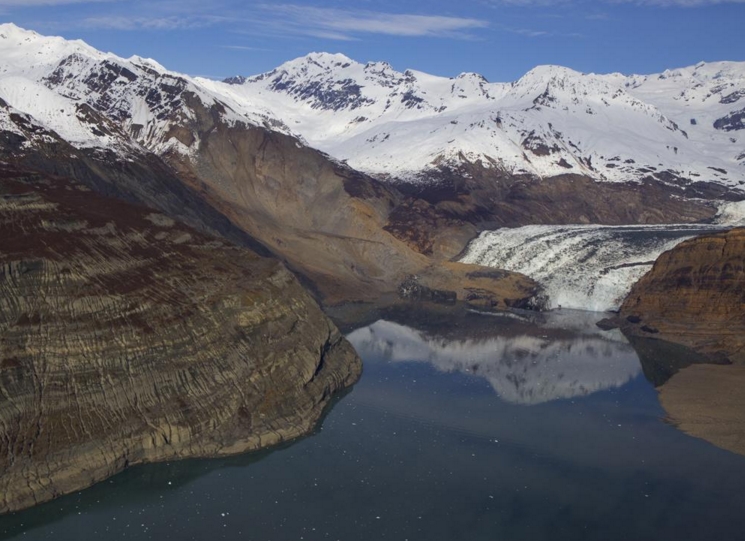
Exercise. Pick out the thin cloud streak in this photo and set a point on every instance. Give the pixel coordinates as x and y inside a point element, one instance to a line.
<point>339,24</point>
<point>244,48</point>
<point>147,23</point>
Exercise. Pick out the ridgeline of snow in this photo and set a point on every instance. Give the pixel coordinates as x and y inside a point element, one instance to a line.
<point>586,267</point>
<point>683,125</point>
<point>96,99</point>
<point>522,369</point>
<point>551,121</point>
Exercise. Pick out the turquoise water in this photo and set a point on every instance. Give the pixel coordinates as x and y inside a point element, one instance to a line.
<point>470,428</point>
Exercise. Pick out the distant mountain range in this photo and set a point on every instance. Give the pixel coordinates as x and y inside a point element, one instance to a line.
<point>681,126</point>
<point>686,123</point>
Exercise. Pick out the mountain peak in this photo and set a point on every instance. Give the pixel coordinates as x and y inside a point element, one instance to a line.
<point>11,30</point>
<point>324,59</point>
<point>550,71</point>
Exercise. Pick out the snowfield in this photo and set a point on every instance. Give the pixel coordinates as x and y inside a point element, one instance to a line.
<point>551,121</point>
<point>681,126</point>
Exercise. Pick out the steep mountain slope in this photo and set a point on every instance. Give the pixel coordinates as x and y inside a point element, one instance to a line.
<point>132,129</point>
<point>126,337</point>
<point>95,99</point>
<point>551,121</point>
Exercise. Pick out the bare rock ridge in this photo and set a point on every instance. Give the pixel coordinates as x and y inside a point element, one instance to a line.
<point>327,221</point>
<point>127,337</point>
<point>694,296</point>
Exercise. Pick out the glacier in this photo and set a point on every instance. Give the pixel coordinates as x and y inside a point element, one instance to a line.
<point>585,267</point>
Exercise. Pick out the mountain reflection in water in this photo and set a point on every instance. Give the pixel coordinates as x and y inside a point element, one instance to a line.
<point>426,451</point>
<point>522,369</point>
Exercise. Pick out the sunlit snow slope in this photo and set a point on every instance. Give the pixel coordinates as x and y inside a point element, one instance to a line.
<point>682,124</point>
<point>99,100</point>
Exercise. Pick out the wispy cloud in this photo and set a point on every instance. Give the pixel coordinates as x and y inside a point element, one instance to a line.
<point>244,48</point>
<point>147,23</point>
<point>534,33</point>
<point>343,24</point>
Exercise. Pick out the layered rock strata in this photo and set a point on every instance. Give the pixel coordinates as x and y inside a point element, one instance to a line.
<point>126,337</point>
<point>694,295</point>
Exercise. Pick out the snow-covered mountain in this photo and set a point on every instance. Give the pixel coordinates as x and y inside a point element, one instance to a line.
<point>682,124</point>
<point>679,126</point>
<point>99,100</point>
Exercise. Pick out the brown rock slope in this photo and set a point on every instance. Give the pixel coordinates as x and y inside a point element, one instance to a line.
<point>708,402</point>
<point>266,191</point>
<point>126,337</point>
<point>695,295</point>
<point>326,221</point>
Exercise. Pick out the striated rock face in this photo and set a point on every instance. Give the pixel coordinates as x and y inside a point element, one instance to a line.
<point>695,296</point>
<point>126,337</point>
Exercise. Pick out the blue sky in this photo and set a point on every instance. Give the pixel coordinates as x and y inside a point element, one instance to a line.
<point>502,39</point>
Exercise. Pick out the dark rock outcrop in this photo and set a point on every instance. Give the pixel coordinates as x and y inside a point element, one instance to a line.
<point>127,337</point>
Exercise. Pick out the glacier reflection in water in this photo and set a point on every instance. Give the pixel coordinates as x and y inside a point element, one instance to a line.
<point>522,369</point>
<point>587,267</point>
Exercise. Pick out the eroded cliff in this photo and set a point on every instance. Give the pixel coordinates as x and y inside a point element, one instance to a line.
<point>126,337</point>
<point>694,295</point>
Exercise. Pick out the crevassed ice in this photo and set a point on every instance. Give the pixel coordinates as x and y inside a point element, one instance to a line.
<point>586,267</point>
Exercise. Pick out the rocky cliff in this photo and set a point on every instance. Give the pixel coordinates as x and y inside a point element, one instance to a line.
<point>126,337</point>
<point>694,295</point>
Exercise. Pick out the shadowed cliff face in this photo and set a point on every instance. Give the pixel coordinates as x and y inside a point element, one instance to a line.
<point>694,295</point>
<point>126,337</point>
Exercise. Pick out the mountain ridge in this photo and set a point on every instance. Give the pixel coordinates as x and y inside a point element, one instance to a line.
<point>541,124</point>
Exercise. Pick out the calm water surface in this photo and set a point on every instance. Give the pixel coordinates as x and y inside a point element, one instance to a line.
<point>470,428</point>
